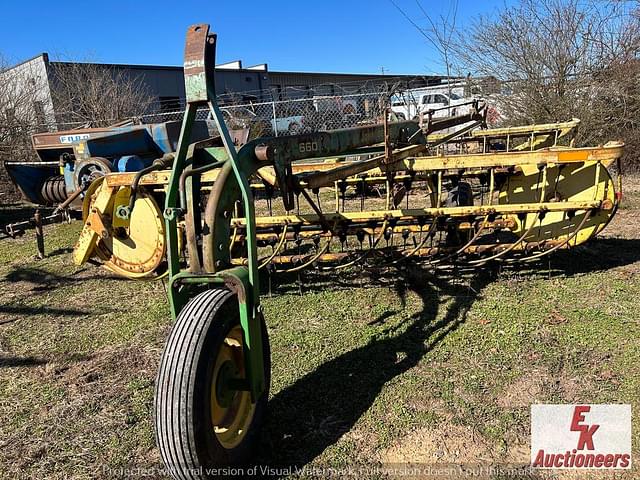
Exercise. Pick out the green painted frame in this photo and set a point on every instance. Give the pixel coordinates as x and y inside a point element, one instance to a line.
<point>200,91</point>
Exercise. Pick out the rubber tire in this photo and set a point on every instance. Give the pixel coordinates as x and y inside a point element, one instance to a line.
<point>460,196</point>
<point>182,419</point>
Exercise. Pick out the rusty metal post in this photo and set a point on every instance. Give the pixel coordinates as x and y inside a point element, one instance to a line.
<point>37,218</point>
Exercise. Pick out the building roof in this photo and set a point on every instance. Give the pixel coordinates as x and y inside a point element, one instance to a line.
<point>236,65</point>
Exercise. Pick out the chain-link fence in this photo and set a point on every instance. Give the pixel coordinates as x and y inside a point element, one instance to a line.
<point>290,117</point>
<point>300,113</point>
<point>322,107</point>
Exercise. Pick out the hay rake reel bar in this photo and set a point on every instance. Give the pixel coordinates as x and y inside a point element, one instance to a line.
<point>462,196</point>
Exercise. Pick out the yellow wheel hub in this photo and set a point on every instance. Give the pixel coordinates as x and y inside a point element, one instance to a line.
<point>136,246</point>
<point>231,410</point>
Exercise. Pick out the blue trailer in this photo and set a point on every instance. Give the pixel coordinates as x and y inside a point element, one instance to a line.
<point>70,160</point>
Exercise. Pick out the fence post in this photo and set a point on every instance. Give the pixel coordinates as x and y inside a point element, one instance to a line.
<point>275,121</point>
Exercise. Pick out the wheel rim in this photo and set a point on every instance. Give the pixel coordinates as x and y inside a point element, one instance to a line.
<point>88,171</point>
<point>139,250</point>
<point>231,410</point>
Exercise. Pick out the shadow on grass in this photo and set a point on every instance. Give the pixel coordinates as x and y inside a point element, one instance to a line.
<point>46,281</point>
<point>25,310</point>
<point>12,362</point>
<point>315,411</point>
<point>601,254</point>
<point>60,251</point>
<point>598,255</point>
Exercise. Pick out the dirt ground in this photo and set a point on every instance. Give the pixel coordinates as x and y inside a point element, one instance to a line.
<point>411,367</point>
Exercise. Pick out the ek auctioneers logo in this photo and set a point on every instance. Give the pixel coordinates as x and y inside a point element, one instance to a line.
<point>581,436</point>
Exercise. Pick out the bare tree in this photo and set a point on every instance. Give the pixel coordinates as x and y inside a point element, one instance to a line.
<point>96,95</point>
<point>22,113</point>
<point>439,31</point>
<point>557,59</point>
<point>36,96</point>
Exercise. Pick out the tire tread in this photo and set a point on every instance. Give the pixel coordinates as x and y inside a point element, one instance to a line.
<point>178,363</point>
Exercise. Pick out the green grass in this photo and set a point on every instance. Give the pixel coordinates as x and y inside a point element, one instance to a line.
<point>408,365</point>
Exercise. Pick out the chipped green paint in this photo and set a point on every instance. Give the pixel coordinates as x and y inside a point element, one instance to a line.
<point>196,87</point>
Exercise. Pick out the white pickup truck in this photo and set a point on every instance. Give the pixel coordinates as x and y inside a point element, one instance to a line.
<point>408,105</point>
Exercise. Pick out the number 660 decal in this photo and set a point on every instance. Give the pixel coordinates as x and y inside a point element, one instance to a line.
<point>307,147</point>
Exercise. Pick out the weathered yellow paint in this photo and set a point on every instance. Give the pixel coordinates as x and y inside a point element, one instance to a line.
<point>133,247</point>
<point>230,422</point>
<point>572,183</point>
<point>88,237</point>
<point>137,246</point>
<point>407,214</point>
<point>607,154</point>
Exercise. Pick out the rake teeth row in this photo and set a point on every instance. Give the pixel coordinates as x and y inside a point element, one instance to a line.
<point>470,229</point>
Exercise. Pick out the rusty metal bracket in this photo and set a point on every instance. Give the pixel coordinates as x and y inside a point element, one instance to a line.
<point>99,223</point>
